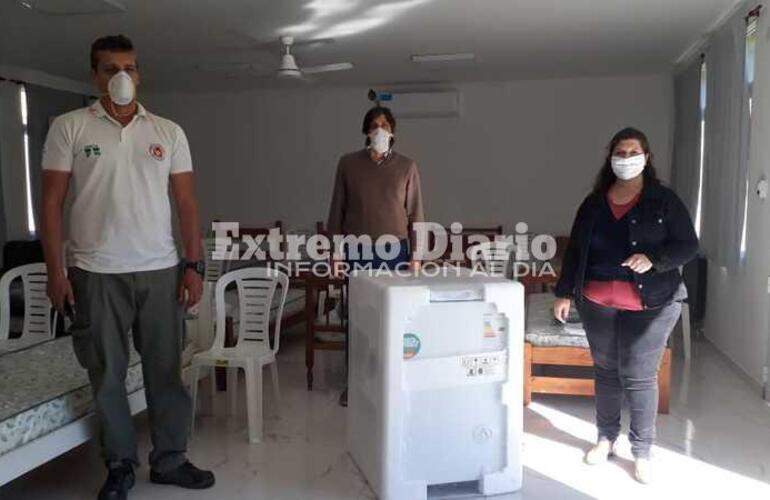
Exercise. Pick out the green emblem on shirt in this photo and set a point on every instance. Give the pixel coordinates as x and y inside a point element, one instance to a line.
<point>92,149</point>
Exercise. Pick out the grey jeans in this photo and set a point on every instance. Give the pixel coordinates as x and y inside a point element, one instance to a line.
<point>627,347</point>
<point>108,306</point>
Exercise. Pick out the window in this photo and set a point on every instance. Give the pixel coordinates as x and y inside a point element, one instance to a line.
<point>699,201</point>
<point>751,53</point>
<point>751,48</point>
<point>27,173</point>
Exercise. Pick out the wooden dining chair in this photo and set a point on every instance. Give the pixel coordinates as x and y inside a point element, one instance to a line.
<point>326,306</point>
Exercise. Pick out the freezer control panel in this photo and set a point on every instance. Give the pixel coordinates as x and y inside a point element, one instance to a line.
<point>483,365</point>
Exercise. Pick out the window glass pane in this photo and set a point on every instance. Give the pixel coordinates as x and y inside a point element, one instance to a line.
<point>751,46</point>
<point>698,206</point>
<point>27,178</point>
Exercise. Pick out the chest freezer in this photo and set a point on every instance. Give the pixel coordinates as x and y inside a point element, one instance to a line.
<point>435,384</point>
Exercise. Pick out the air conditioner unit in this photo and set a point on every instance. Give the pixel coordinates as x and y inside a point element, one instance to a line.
<point>436,104</point>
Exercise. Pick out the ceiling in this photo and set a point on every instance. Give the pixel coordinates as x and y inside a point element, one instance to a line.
<point>512,39</point>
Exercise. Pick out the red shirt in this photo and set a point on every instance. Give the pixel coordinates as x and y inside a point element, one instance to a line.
<point>616,294</point>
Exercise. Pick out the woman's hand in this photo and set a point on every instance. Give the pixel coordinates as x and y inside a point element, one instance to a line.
<point>561,309</point>
<point>638,263</point>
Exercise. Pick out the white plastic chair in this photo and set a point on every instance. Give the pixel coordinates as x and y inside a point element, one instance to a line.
<point>37,306</point>
<point>214,268</point>
<point>256,290</point>
<point>494,257</point>
<point>200,321</point>
<point>686,333</point>
<point>204,310</point>
<point>686,329</point>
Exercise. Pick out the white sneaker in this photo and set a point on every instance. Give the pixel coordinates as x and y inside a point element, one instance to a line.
<point>600,452</point>
<point>643,470</point>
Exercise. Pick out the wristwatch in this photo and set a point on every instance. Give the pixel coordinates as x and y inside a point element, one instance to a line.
<point>198,266</point>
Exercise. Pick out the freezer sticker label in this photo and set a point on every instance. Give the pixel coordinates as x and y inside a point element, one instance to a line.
<point>494,326</point>
<point>411,345</point>
<point>489,330</point>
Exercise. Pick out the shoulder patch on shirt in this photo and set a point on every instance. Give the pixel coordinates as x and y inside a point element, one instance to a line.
<point>157,152</point>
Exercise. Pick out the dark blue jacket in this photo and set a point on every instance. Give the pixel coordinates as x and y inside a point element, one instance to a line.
<point>659,226</point>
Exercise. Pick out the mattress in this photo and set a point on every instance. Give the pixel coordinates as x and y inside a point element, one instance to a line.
<point>542,330</point>
<point>44,388</point>
<point>19,344</point>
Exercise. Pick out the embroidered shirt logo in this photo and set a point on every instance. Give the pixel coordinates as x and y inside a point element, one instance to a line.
<point>157,152</point>
<point>92,149</point>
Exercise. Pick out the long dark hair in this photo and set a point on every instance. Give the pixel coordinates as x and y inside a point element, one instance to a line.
<point>607,177</point>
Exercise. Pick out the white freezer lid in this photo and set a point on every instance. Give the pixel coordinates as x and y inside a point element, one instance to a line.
<point>457,280</point>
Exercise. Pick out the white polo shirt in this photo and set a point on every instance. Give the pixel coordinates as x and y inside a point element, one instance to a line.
<point>120,220</point>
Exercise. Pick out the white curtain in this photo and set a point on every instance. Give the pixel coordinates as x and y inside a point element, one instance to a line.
<point>685,175</point>
<point>759,211</point>
<point>726,153</point>
<point>14,185</point>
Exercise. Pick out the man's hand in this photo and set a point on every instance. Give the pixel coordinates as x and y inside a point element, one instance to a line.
<point>190,289</point>
<point>59,292</point>
<point>639,263</point>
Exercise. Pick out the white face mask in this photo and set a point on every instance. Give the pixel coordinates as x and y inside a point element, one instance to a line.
<point>380,140</point>
<point>628,168</point>
<point>121,89</point>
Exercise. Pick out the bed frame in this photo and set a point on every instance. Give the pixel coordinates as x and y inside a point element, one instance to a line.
<point>579,356</point>
<point>32,455</point>
<point>18,462</point>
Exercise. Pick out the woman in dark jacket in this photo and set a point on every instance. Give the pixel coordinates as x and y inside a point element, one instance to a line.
<point>621,271</point>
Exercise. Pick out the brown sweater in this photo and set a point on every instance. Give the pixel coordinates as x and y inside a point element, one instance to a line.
<point>375,199</point>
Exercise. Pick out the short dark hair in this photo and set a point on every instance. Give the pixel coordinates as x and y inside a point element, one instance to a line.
<point>112,43</point>
<point>606,176</point>
<point>375,113</point>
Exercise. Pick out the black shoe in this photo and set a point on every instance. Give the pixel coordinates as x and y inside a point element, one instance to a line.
<point>186,475</point>
<point>343,401</point>
<point>119,480</point>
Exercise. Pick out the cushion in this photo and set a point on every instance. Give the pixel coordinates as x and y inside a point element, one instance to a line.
<point>44,388</point>
<point>543,330</point>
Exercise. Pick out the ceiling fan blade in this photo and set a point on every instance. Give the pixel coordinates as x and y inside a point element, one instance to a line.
<point>245,40</point>
<point>313,43</point>
<point>344,66</point>
<point>225,67</point>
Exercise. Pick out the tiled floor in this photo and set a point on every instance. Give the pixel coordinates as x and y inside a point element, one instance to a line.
<point>714,444</point>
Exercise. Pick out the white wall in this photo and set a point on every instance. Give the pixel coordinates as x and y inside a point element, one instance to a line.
<point>525,150</point>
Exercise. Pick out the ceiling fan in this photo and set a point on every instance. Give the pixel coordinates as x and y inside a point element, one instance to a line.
<point>289,69</point>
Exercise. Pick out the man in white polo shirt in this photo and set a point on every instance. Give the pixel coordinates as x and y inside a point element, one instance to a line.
<point>118,161</point>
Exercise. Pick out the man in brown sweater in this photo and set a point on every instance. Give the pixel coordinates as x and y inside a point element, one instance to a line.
<point>376,192</point>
